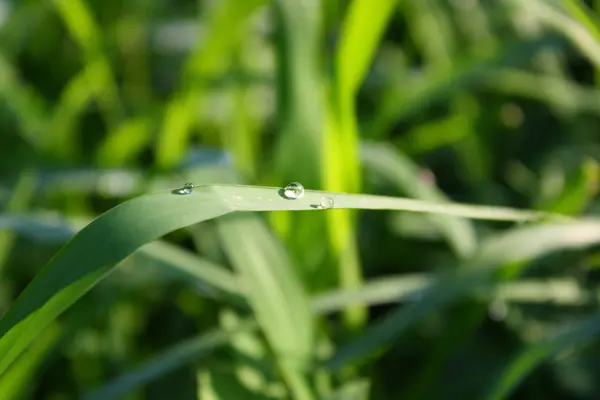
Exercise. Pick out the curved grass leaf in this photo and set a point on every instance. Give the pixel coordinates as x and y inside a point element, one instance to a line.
<point>92,253</point>
<point>381,291</point>
<point>95,250</point>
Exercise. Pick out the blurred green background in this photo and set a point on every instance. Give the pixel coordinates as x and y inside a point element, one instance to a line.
<point>491,102</point>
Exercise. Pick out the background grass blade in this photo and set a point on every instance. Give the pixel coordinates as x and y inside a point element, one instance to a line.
<point>397,168</point>
<point>226,26</point>
<point>341,155</point>
<point>173,358</point>
<point>275,294</point>
<point>533,356</point>
<point>515,246</point>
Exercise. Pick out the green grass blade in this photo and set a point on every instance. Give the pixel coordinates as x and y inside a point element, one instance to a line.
<point>404,100</point>
<point>399,169</point>
<point>226,24</point>
<point>514,246</point>
<point>532,357</point>
<point>171,359</point>
<point>361,32</point>
<point>74,101</point>
<point>92,253</point>
<point>169,255</point>
<point>275,295</point>
<point>580,32</point>
<point>26,104</point>
<point>18,202</point>
<point>217,385</point>
<point>125,143</point>
<point>192,265</point>
<point>17,380</point>
<point>114,235</point>
<point>404,288</point>
<point>100,79</point>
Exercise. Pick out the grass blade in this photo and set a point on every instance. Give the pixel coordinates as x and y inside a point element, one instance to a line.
<point>399,169</point>
<point>361,32</point>
<point>532,357</point>
<point>16,381</point>
<point>514,246</point>
<point>275,295</point>
<point>92,253</point>
<point>226,26</point>
<point>95,250</point>
<point>169,360</point>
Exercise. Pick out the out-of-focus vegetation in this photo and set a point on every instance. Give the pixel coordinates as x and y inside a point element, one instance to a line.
<point>474,101</point>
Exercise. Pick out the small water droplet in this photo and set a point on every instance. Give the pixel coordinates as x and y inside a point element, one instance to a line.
<point>186,189</point>
<point>326,202</point>
<point>293,191</point>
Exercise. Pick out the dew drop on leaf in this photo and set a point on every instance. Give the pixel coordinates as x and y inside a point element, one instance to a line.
<point>293,191</point>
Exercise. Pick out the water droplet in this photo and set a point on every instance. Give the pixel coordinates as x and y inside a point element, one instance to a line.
<point>326,202</point>
<point>186,189</point>
<point>293,191</point>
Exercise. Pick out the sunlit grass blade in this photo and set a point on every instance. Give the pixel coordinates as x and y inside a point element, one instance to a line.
<point>171,359</point>
<point>582,13</point>
<point>16,382</point>
<point>399,169</point>
<point>226,23</point>
<point>74,100</point>
<point>406,288</point>
<point>217,385</point>
<point>536,354</point>
<point>514,246</point>
<point>100,79</point>
<point>125,143</point>
<point>275,294</point>
<point>251,359</point>
<point>576,30</point>
<point>361,31</point>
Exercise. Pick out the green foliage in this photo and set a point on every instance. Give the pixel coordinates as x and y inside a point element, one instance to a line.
<point>445,246</point>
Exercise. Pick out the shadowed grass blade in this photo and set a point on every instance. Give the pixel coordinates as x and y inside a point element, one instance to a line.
<point>169,360</point>
<point>532,357</point>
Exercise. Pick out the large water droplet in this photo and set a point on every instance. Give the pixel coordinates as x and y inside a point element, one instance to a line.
<point>326,202</point>
<point>293,191</point>
<point>186,189</point>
